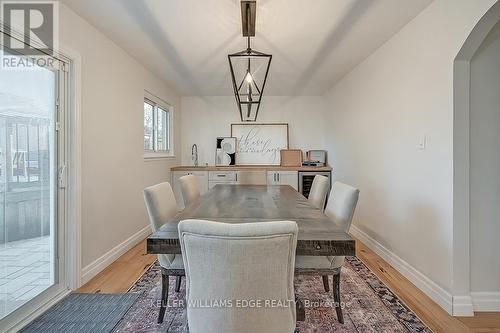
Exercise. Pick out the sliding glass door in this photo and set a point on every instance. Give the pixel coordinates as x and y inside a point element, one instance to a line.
<point>32,165</point>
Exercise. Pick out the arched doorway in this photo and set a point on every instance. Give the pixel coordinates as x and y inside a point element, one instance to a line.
<point>462,186</point>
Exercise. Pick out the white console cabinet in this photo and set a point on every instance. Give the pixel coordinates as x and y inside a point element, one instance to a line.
<point>208,177</point>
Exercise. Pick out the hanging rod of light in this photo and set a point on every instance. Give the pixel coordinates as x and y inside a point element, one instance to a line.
<point>249,68</point>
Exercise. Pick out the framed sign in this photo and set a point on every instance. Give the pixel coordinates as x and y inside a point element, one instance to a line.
<point>259,144</point>
<point>225,151</point>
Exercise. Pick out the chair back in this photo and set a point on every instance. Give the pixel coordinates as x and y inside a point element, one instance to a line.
<point>161,206</point>
<point>190,189</point>
<point>239,275</point>
<point>319,191</point>
<point>341,204</point>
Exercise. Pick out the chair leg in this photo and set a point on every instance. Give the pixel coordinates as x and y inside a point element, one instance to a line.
<point>336,297</point>
<point>325,283</point>
<point>178,283</point>
<point>164,297</point>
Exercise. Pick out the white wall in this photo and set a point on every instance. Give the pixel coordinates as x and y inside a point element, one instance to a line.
<point>485,165</point>
<point>378,114</point>
<point>114,172</point>
<point>205,118</point>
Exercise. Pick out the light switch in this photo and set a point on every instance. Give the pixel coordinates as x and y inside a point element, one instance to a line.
<point>422,142</point>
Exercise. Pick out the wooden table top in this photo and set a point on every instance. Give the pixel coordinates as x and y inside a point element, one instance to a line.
<point>318,235</point>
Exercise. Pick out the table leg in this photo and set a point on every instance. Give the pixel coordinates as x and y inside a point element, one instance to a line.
<point>300,311</point>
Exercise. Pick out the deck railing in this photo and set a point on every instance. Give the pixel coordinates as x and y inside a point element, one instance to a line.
<point>25,202</point>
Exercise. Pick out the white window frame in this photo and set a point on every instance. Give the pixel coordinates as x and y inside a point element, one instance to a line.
<point>159,103</point>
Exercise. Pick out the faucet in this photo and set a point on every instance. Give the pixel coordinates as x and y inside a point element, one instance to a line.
<point>194,154</point>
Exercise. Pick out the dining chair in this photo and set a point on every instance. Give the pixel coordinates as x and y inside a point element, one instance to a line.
<point>189,188</point>
<point>162,206</point>
<point>239,266</point>
<point>340,209</point>
<point>319,191</point>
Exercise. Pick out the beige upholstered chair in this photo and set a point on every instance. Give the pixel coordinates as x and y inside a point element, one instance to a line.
<point>190,189</point>
<point>237,263</point>
<point>162,206</point>
<point>340,208</point>
<point>319,191</point>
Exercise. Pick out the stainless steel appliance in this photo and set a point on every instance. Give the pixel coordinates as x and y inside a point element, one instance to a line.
<point>316,157</point>
<point>306,179</point>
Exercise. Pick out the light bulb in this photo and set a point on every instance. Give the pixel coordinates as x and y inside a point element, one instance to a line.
<point>249,77</point>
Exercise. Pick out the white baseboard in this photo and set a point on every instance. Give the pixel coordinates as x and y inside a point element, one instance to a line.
<point>462,306</point>
<point>430,288</point>
<point>486,301</point>
<point>91,270</point>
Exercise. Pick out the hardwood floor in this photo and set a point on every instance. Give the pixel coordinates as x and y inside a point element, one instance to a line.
<point>483,322</point>
<point>431,313</point>
<point>120,275</point>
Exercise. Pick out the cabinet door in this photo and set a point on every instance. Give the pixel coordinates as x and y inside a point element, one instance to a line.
<point>289,178</point>
<point>254,177</point>
<point>212,183</point>
<point>272,178</point>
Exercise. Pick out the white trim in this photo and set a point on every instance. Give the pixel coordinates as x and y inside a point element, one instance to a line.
<point>91,270</point>
<point>462,306</point>
<point>157,155</point>
<point>422,282</point>
<point>461,180</point>
<point>461,268</point>
<point>74,215</point>
<point>486,301</point>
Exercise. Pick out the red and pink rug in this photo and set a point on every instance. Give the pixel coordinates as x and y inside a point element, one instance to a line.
<point>369,305</point>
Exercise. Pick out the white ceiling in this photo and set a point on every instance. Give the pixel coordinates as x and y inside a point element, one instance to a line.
<point>314,43</point>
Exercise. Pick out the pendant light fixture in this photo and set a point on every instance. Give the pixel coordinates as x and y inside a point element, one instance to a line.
<point>249,68</point>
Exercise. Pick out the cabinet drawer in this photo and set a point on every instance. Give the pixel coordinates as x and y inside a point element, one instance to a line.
<point>222,176</point>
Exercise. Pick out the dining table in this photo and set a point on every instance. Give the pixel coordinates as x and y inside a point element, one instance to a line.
<point>318,234</point>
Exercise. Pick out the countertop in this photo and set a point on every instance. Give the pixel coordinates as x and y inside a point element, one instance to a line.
<point>251,168</point>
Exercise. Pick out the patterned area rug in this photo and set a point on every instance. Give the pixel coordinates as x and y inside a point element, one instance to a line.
<point>369,306</point>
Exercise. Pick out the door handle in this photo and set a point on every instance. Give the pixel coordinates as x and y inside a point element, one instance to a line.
<point>61,176</point>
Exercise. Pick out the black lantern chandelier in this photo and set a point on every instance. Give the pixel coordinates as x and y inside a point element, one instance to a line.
<point>249,68</point>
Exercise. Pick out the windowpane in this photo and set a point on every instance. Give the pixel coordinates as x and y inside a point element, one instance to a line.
<point>157,130</point>
<point>148,127</point>
<point>162,130</point>
<point>28,151</point>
